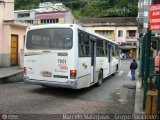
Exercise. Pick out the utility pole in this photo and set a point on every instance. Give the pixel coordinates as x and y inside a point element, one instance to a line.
<point>147,44</point>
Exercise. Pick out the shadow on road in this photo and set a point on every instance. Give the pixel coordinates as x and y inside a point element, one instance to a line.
<point>67,92</point>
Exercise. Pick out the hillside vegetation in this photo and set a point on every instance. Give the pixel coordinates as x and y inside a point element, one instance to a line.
<point>89,8</point>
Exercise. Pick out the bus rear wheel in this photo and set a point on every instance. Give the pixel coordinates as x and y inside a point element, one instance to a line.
<point>100,78</point>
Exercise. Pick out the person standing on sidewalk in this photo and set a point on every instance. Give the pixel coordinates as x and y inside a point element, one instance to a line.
<point>133,67</point>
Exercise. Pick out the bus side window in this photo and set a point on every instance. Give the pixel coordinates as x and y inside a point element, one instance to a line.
<point>100,48</point>
<point>106,47</point>
<point>86,44</point>
<point>83,44</point>
<point>81,50</point>
<point>113,50</point>
<point>117,50</point>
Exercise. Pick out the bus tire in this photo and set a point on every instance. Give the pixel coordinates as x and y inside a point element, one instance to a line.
<point>117,67</point>
<point>100,78</point>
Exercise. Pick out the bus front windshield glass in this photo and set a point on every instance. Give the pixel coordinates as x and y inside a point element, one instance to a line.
<point>50,38</point>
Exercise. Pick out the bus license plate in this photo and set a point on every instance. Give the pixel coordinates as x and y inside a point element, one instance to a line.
<point>46,74</point>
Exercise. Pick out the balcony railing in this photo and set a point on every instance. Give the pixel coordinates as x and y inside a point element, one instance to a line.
<point>131,37</point>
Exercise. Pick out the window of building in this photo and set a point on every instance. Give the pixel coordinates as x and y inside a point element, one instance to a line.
<point>120,33</point>
<point>44,21</point>
<point>29,21</point>
<point>131,34</point>
<point>134,44</point>
<point>148,2</point>
<point>51,21</point>
<point>57,21</point>
<point>156,1</point>
<point>145,25</point>
<point>23,15</point>
<point>141,4</point>
<point>47,20</point>
<point>145,13</point>
<point>105,32</point>
<point>140,15</point>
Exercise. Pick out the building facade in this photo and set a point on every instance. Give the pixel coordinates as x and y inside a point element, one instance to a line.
<point>25,16</point>
<point>13,26</point>
<point>12,34</point>
<point>143,16</point>
<point>47,13</point>
<point>143,20</point>
<point>120,29</point>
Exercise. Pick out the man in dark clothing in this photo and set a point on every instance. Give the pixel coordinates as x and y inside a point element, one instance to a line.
<point>133,67</point>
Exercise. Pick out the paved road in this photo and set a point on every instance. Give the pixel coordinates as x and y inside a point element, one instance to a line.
<point>116,95</point>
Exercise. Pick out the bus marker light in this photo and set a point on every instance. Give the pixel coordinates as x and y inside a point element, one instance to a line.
<point>73,74</point>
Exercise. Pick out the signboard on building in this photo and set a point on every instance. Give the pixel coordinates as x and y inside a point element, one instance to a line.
<point>154,20</point>
<point>49,15</point>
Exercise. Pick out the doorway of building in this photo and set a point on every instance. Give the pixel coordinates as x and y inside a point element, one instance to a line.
<point>14,50</point>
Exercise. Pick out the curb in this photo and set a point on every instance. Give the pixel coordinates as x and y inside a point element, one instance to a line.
<point>17,77</point>
<point>139,97</point>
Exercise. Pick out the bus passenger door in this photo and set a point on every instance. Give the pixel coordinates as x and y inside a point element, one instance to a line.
<point>93,60</point>
<point>110,59</point>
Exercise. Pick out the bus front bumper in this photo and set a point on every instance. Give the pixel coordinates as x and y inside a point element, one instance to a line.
<point>69,84</point>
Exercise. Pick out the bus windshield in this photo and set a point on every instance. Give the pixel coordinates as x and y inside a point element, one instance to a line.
<point>50,38</point>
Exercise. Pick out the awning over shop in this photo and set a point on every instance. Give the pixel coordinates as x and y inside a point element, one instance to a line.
<point>127,47</point>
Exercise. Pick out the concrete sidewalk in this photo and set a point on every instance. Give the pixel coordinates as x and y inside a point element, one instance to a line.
<point>138,109</point>
<point>11,73</point>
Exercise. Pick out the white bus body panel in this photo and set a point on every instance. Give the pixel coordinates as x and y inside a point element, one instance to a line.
<point>84,72</point>
<point>39,61</point>
<point>114,64</point>
<point>102,63</point>
<point>58,66</point>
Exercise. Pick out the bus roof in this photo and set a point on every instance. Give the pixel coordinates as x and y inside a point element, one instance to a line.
<point>69,26</point>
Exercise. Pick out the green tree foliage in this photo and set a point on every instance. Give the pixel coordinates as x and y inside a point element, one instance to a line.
<point>89,8</point>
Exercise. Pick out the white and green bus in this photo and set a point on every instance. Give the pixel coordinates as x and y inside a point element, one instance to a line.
<point>67,55</point>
